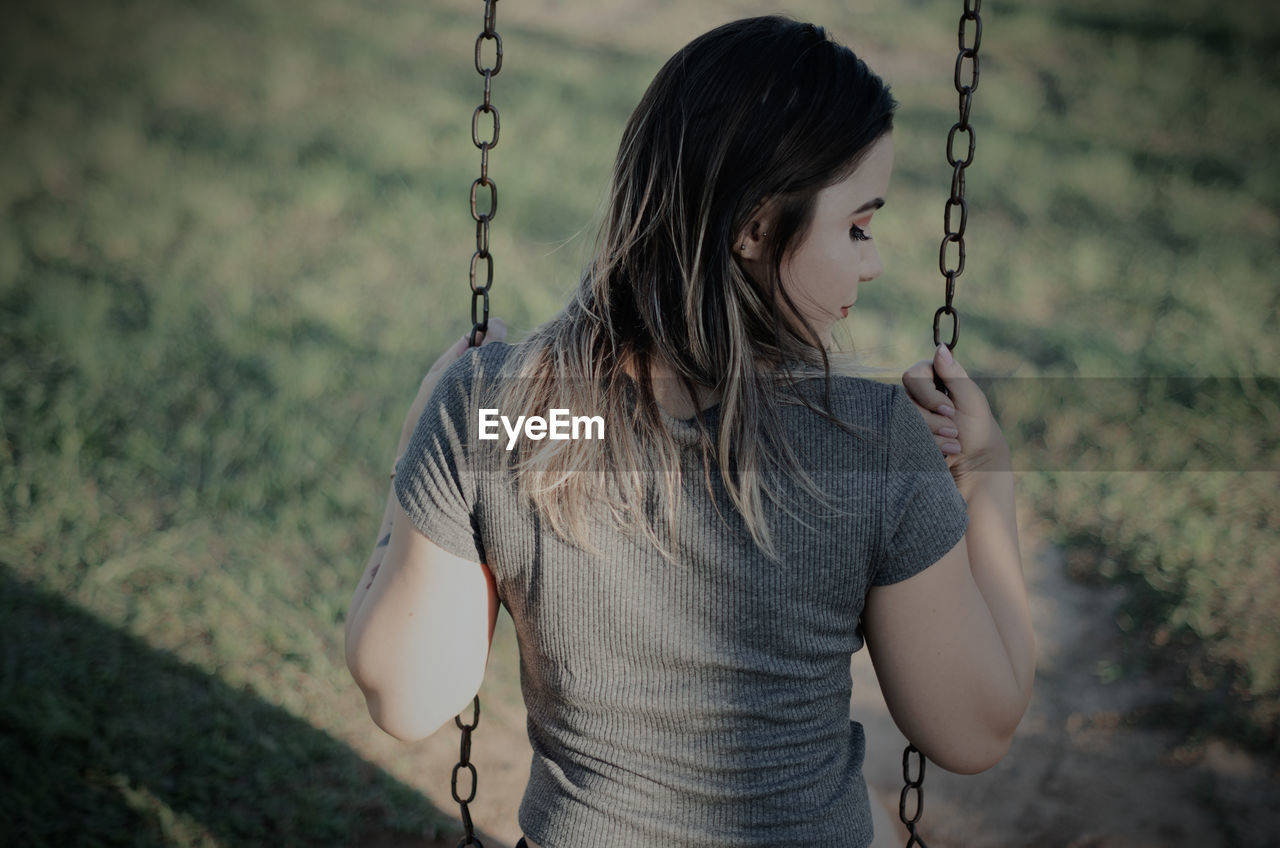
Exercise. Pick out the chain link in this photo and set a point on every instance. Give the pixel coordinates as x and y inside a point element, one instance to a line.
<point>914,788</point>
<point>480,293</point>
<point>464,764</point>
<point>969,39</point>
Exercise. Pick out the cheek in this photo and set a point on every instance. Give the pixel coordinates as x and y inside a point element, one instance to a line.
<point>814,266</point>
<point>833,269</point>
<point>820,270</point>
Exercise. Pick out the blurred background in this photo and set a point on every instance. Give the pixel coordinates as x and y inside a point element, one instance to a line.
<point>233,236</point>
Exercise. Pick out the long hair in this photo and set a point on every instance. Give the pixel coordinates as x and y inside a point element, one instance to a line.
<point>759,110</point>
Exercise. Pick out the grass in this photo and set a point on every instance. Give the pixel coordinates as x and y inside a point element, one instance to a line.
<point>234,237</point>
<point>110,741</point>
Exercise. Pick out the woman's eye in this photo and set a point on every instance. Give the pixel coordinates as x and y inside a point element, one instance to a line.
<point>858,234</point>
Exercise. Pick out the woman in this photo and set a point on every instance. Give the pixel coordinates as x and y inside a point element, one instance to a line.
<point>688,586</point>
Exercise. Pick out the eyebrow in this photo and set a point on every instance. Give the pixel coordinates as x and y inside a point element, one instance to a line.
<point>869,205</point>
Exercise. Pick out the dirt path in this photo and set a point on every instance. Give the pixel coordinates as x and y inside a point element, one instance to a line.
<point>1078,776</point>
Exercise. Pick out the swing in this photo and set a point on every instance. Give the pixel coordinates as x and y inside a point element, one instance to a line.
<point>912,796</point>
<point>479,324</point>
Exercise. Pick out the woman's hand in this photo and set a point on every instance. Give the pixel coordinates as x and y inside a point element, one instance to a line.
<point>962,424</point>
<point>497,333</point>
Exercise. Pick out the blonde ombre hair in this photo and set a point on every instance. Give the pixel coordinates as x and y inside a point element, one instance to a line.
<point>759,110</point>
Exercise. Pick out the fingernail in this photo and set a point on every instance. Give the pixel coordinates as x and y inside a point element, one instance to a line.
<point>945,353</point>
<point>949,432</point>
<point>947,410</point>
<point>950,447</point>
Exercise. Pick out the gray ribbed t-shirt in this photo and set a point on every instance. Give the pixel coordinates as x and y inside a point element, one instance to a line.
<point>702,704</point>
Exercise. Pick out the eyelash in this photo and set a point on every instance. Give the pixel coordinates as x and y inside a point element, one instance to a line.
<point>858,234</point>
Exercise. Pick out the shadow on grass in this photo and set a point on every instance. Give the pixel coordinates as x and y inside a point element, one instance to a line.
<point>107,741</point>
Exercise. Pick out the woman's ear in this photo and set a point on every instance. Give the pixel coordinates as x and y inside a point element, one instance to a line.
<point>753,239</point>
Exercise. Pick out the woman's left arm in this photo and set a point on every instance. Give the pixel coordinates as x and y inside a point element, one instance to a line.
<point>375,559</point>
<point>418,642</point>
<point>421,619</point>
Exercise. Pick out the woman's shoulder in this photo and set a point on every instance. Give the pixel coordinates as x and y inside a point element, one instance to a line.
<point>473,375</point>
<point>499,367</point>
<point>485,363</point>
<point>867,403</point>
<point>856,390</point>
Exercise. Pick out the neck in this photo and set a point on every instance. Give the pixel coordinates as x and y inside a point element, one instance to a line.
<point>671,393</point>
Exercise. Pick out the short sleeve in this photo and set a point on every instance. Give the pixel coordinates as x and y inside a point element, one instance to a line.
<point>924,514</point>
<point>435,480</point>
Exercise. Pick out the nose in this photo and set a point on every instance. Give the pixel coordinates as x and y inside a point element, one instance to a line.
<point>871,265</point>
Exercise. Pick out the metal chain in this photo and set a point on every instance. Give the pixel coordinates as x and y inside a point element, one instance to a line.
<point>914,787</point>
<point>966,81</point>
<point>479,324</point>
<point>464,763</point>
<point>480,293</point>
<point>953,232</point>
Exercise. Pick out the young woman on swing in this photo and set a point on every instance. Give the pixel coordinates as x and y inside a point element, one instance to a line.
<point>687,590</point>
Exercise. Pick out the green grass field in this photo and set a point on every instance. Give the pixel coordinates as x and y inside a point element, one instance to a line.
<point>234,236</point>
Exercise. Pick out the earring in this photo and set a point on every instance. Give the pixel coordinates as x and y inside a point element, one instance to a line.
<point>744,246</point>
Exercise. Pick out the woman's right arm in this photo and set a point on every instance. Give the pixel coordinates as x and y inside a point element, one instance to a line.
<point>953,646</point>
